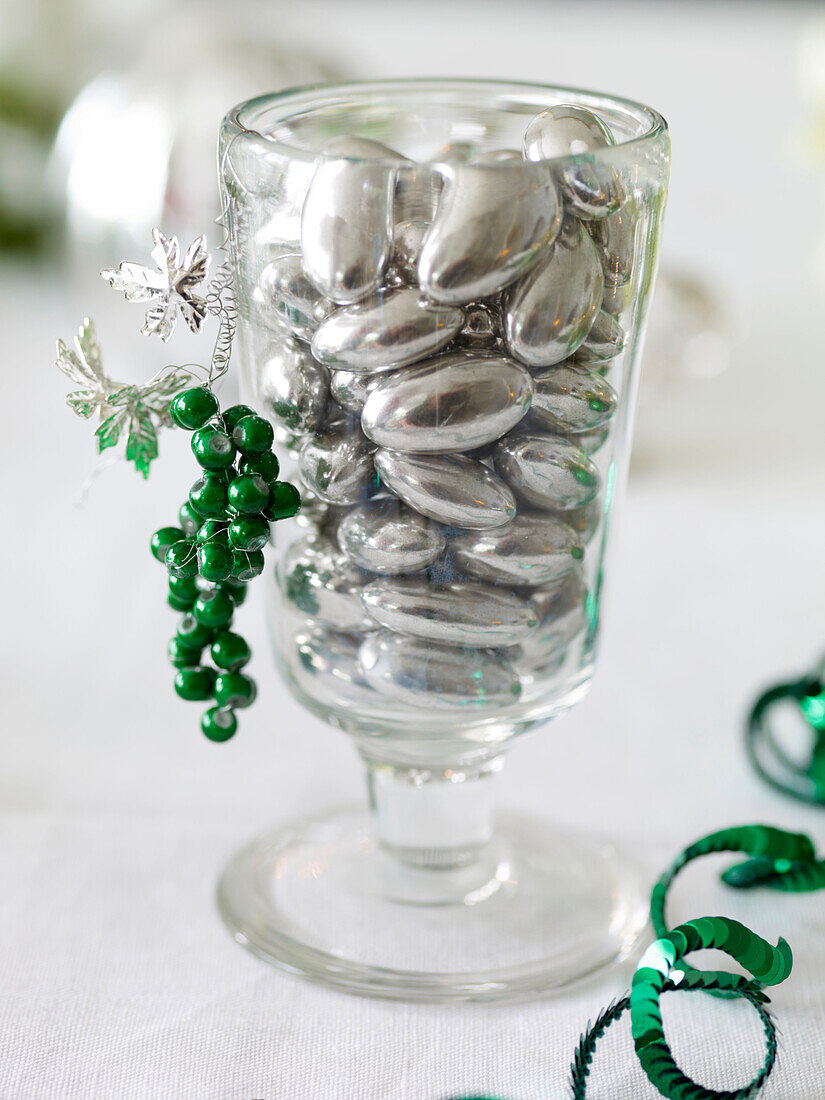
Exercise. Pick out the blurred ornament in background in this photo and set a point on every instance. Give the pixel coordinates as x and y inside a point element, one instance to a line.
<point>690,337</point>
<point>138,146</point>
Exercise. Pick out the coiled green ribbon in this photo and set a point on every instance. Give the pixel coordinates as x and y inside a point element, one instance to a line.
<point>777,859</point>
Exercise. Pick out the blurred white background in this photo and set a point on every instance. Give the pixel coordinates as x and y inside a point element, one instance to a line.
<point>115,814</point>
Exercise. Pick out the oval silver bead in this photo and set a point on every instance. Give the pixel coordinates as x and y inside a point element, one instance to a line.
<point>417,187</point>
<point>420,673</point>
<point>562,610</point>
<point>585,521</point>
<point>351,390</point>
<point>330,654</point>
<point>346,227</point>
<point>604,342</point>
<point>549,311</point>
<point>407,242</point>
<point>530,550</point>
<point>617,298</point>
<point>452,403</point>
<point>293,387</point>
<point>287,292</point>
<point>386,537</point>
<point>386,332</point>
<point>546,470</point>
<point>450,489</point>
<point>615,239</point>
<point>336,464</point>
<point>455,614</point>
<point>570,398</point>
<point>491,223</point>
<point>321,582</point>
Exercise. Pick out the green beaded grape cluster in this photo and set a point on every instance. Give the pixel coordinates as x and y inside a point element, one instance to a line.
<point>217,548</point>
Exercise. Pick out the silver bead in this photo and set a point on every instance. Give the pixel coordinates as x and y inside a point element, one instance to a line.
<point>407,241</point>
<point>455,152</point>
<point>617,298</point>
<point>491,223</point>
<point>417,187</point>
<point>562,610</point>
<point>546,470</point>
<point>604,342</point>
<point>455,614</point>
<point>450,489</point>
<point>351,390</point>
<point>330,654</point>
<point>530,550</point>
<point>451,403</point>
<point>293,387</point>
<point>615,238</point>
<point>385,332</point>
<point>336,464</point>
<point>386,537</point>
<point>565,130</point>
<point>549,311</point>
<point>321,582</point>
<point>346,227</point>
<point>570,398</point>
<point>590,442</point>
<point>286,292</point>
<point>421,673</point>
<point>585,521</point>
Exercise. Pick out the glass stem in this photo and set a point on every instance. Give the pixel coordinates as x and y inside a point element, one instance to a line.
<point>435,819</point>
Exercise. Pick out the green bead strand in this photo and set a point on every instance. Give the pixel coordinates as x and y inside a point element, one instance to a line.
<point>230,651</point>
<point>163,538</point>
<point>219,724</point>
<point>191,409</point>
<point>212,530</point>
<point>248,493</point>
<point>252,435</point>
<point>189,519</point>
<point>195,684</point>
<point>213,448</point>
<point>236,589</point>
<point>234,689</point>
<point>193,634</point>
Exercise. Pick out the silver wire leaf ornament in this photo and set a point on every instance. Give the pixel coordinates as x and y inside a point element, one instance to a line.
<point>139,410</point>
<point>171,285</point>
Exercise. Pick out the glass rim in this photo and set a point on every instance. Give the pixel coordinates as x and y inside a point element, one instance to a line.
<point>583,97</point>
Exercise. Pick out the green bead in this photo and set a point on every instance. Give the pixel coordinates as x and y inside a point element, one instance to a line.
<point>284,501</point>
<point>192,408</point>
<point>208,495</point>
<point>246,566</point>
<point>213,448</point>
<point>177,603</point>
<point>233,414</point>
<point>163,538</point>
<point>193,634</point>
<point>214,609</point>
<point>189,519</point>
<point>195,684</point>
<point>212,530</point>
<point>182,655</point>
<point>230,651</point>
<point>233,689</point>
<point>218,724</point>
<point>249,533</point>
<point>214,561</point>
<point>184,587</point>
<point>265,464</point>
<point>181,559</point>
<point>248,493</point>
<point>253,435</point>
<point>236,589</point>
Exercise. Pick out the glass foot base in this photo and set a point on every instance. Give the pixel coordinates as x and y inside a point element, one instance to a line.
<point>540,911</point>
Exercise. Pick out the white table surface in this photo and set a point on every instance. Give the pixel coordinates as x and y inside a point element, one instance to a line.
<point>116,976</point>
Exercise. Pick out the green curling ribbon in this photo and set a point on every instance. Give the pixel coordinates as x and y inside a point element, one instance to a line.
<point>778,859</point>
<point>805,782</point>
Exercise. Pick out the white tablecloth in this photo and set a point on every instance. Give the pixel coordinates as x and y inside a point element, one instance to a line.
<point>116,976</point>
